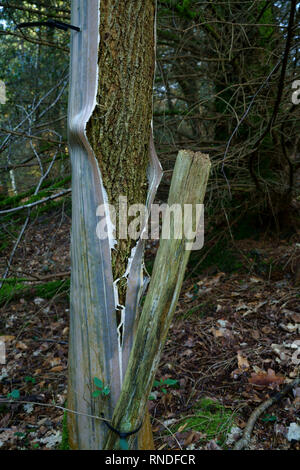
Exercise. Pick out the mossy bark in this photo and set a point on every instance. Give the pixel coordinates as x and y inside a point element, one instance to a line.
<point>119,129</point>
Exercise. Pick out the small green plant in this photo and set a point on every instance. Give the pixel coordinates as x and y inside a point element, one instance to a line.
<point>24,436</point>
<point>101,389</point>
<point>15,395</point>
<point>210,418</point>
<point>65,432</point>
<point>162,384</point>
<point>29,379</point>
<point>269,418</point>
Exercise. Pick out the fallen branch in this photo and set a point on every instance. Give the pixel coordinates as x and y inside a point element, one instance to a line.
<point>36,203</point>
<point>21,402</point>
<point>51,276</point>
<point>243,443</point>
<point>41,279</point>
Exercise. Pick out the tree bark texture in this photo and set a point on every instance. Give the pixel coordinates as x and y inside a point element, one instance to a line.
<point>112,154</point>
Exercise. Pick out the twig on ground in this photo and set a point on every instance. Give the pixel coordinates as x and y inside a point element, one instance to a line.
<point>243,443</point>
<point>21,402</point>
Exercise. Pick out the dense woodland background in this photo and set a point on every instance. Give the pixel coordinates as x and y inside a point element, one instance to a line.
<point>223,85</point>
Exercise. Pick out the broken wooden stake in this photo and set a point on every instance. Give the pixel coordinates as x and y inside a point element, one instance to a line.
<point>188,186</point>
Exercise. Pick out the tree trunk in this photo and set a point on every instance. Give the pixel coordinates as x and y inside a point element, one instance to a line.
<point>110,113</point>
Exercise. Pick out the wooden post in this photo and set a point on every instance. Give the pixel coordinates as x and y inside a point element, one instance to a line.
<point>188,186</point>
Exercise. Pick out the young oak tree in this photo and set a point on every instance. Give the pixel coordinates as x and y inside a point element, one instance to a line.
<point>112,344</point>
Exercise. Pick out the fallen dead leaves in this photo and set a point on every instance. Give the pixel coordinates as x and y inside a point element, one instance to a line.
<point>235,346</point>
<point>265,379</point>
<point>243,363</point>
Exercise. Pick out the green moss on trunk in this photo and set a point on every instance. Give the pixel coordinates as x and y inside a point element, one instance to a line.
<point>119,129</point>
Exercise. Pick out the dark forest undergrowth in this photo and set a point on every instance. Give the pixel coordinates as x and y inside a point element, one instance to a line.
<point>232,344</point>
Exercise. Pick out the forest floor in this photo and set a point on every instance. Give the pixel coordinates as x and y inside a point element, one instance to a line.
<point>234,342</point>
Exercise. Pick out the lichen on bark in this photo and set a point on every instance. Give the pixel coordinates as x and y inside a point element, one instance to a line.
<point>119,129</point>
